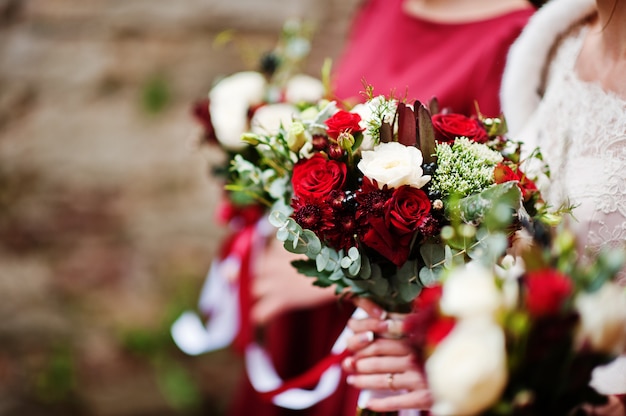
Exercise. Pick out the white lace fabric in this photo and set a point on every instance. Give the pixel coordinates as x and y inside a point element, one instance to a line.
<point>583,139</point>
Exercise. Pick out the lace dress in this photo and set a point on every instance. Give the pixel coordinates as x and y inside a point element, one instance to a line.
<point>581,130</point>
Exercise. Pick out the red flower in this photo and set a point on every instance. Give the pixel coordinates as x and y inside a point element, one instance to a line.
<point>546,291</point>
<point>504,173</point>
<point>202,115</point>
<point>317,217</point>
<point>343,121</point>
<point>345,227</point>
<point>425,327</point>
<point>379,236</point>
<point>450,126</point>
<point>407,209</point>
<point>313,179</point>
<point>390,218</point>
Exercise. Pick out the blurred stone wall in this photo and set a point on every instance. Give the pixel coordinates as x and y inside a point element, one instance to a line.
<point>106,204</point>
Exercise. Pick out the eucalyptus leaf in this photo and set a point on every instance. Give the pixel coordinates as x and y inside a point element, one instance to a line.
<point>282,234</point>
<point>277,219</point>
<point>321,260</point>
<point>354,268</point>
<point>336,275</point>
<point>314,243</point>
<point>353,253</point>
<point>432,254</point>
<point>430,277</point>
<point>346,262</point>
<point>366,268</point>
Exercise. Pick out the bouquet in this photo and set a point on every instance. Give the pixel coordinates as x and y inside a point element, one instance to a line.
<point>253,100</point>
<point>505,335</point>
<point>364,194</point>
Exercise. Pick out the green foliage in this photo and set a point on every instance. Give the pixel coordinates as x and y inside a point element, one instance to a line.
<point>57,379</point>
<point>155,95</point>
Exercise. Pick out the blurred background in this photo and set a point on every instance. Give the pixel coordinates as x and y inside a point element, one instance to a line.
<point>106,203</point>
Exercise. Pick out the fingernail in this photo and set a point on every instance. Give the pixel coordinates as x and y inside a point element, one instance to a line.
<point>350,380</point>
<point>383,314</point>
<point>367,337</point>
<point>349,362</point>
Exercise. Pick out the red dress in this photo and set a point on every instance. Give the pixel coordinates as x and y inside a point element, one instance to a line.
<point>456,62</point>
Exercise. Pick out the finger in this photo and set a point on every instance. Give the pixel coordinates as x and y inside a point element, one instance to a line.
<point>265,310</point>
<point>409,381</point>
<point>417,399</point>
<point>359,340</point>
<point>367,324</point>
<point>372,309</point>
<point>385,347</point>
<point>382,365</point>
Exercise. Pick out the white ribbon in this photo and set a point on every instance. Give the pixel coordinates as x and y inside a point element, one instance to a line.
<point>219,300</point>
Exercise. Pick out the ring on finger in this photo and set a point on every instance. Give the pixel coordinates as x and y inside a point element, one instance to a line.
<point>390,382</point>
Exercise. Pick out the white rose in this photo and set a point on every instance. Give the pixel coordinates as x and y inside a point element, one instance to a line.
<point>470,290</point>
<point>268,119</point>
<point>603,319</point>
<point>394,164</point>
<point>467,372</point>
<point>303,88</point>
<point>230,100</point>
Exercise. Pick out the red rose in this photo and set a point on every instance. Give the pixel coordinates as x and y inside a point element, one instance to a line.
<point>314,178</point>
<point>546,291</point>
<point>378,236</point>
<point>407,209</point>
<point>343,121</point>
<point>450,126</point>
<point>503,173</point>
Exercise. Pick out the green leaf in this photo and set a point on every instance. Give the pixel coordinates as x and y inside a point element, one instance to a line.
<point>314,243</point>
<point>283,235</point>
<point>474,208</point>
<point>346,262</point>
<point>308,268</point>
<point>432,254</point>
<point>354,268</point>
<point>322,259</point>
<point>430,277</point>
<point>366,268</point>
<point>277,219</point>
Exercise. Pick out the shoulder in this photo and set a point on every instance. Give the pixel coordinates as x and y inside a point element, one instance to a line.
<point>528,56</point>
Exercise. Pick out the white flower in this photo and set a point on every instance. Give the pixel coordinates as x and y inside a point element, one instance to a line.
<point>603,319</point>
<point>394,164</point>
<point>467,372</point>
<point>230,100</point>
<point>303,88</point>
<point>269,118</point>
<point>373,113</point>
<point>470,291</point>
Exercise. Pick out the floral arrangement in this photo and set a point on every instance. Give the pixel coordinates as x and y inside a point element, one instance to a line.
<point>257,101</point>
<point>366,193</point>
<point>520,335</point>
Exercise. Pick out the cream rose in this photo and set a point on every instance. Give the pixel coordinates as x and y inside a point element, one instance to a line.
<point>269,118</point>
<point>303,89</point>
<point>467,372</point>
<point>230,100</point>
<point>603,319</point>
<point>394,164</point>
<point>470,291</point>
